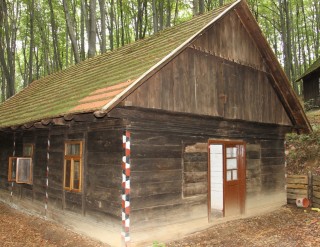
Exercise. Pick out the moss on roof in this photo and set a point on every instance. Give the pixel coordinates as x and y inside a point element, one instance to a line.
<point>315,66</point>
<point>61,93</point>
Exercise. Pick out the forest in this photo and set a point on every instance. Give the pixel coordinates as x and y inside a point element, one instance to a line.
<point>40,37</point>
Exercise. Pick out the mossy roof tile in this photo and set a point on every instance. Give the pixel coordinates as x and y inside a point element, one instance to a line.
<point>70,90</point>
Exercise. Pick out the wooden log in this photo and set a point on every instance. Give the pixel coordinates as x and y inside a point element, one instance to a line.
<point>193,189</point>
<point>297,180</point>
<point>155,177</point>
<point>316,194</point>
<point>155,164</point>
<point>59,121</point>
<point>298,191</point>
<point>195,177</point>
<point>315,200</point>
<point>68,117</point>
<point>46,121</point>
<point>316,182</point>
<point>297,186</point>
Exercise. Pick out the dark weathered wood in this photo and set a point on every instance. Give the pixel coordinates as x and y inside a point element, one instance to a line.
<point>202,78</point>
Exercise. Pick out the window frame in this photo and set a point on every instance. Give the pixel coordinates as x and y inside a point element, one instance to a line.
<point>23,150</point>
<point>72,159</point>
<point>30,180</point>
<point>10,179</point>
<point>17,170</point>
<point>17,159</point>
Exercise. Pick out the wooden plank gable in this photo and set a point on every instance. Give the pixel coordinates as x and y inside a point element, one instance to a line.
<point>222,73</point>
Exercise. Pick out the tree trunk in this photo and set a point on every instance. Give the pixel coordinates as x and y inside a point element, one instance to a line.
<point>168,10</point>
<point>122,22</point>
<point>82,30</point>
<point>154,16</point>
<point>92,36</point>
<point>161,14</point>
<point>195,8</point>
<point>201,6</point>
<point>71,32</point>
<point>102,4</point>
<point>8,62</point>
<point>31,45</point>
<point>55,41</point>
<point>111,25</point>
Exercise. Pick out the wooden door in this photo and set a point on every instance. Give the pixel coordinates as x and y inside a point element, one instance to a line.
<point>234,179</point>
<point>226,178</point>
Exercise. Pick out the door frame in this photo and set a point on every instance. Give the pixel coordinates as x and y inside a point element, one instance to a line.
<point>243,173</point>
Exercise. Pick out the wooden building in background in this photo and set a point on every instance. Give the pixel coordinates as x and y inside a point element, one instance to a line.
<point>311,85</point>
<point>161,137</point>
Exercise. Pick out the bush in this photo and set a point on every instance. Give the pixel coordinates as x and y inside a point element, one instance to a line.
<point>303,152</point>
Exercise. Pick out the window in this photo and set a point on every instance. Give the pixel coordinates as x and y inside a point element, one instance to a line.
<point>20,168</point>
<point>73,166</point>
<point>24,170</point>
<point>27,150</point>
<point>12,169</point>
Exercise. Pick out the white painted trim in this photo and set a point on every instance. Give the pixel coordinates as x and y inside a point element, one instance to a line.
<point>172,54</point>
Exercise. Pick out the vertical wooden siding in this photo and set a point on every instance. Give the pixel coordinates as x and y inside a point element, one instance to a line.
<point>220,74</point>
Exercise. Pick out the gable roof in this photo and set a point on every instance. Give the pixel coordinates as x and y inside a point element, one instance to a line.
<point>100,83</point>
<point>315,66</point>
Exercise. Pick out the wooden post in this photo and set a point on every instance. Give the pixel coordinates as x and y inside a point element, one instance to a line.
<point>310,187</point>
<point>126,169</point>
<point>84,173</point>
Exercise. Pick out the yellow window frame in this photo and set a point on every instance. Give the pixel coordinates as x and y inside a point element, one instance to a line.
<point>72,159</point>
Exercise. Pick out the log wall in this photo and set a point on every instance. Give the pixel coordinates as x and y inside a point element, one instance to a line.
<point>101,192</point>
<point>170,164</point>
<point>297,187</point>
<point>316,191</point>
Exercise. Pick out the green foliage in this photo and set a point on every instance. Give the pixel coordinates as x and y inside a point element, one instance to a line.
<point>303,152</point>
<point>301,22</point>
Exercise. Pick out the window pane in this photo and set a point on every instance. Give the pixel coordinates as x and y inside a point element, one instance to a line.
<point>67,174</point>
<point>27,150</point>
<point>229,175</point>
<point>13,168</point>
<point>73,149</point>
<point>235,175</point>
<point>76,174</point>
<point>23,171</point>
<point>232,164</point>
<point>231,152</point>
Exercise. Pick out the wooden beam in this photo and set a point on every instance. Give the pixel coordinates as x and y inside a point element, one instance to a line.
<point>100,114</point>
<point>68,117</point>
<point>28,125</point>
<point>46,121</point>
<point>59,121</point>
<point>85,117</point>
<point>39,125</point>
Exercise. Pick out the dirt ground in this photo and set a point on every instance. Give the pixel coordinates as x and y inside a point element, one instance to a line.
<point>288,226</point>
<point>18,229</point>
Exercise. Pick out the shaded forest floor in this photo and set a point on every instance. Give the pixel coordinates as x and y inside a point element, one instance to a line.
<point>288,226</point>
<point>18,229</point>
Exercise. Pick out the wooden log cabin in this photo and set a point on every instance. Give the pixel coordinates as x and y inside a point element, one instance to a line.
<point>311,85</point>
<point>157,139</point>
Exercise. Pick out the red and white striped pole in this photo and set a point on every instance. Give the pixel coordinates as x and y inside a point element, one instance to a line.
<point>126,189</point>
